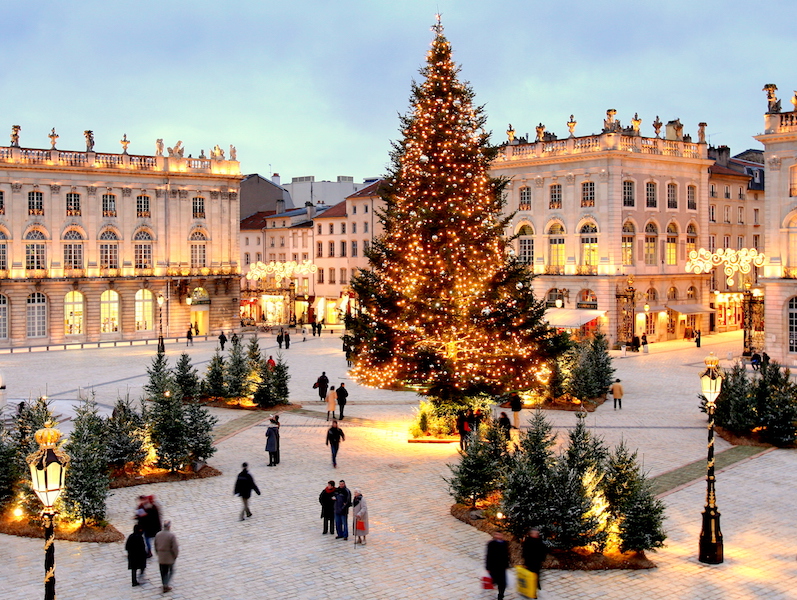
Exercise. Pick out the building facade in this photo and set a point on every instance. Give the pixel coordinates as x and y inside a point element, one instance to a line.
<point>108,247</point>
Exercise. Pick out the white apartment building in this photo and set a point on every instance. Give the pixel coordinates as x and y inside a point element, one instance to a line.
<point>307,189</point>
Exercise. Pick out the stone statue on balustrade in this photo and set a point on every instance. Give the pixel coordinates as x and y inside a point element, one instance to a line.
<point>510,133</point>
<point>540,132</point>
<point>636,122</point>
<point>15,129</point>
<point>159,147</point>
<point>773,104</point>
<point>177,150</point>
<point>610,125</point>
<point>125,143</point>
<point>794,101</point>
<point>53,138</point>
<point>571,126</point>
<point>657,126</point>
<point>89,135</point>
<point>217,153</point>
<point>233,153</point>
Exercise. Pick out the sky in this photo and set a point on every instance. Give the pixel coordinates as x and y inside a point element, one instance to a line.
<point>315,87</point>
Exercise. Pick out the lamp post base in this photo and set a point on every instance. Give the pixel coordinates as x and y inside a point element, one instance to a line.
<point>711,546</point>
<point>161,345</point>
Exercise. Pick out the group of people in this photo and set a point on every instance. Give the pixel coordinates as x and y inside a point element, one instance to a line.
<point>467,422</point>
<point>149,533</point>
<point>284,336</point>
<point>497,559</point>
<point>333,398</point>
<point>335,503</point>
<point>317,327</point>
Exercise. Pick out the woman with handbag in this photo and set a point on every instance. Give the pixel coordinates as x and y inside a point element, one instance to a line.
<point>360,518</point>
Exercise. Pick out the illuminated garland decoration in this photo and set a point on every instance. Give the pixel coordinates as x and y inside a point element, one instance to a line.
<point>735,261</point>
<point>280,270</point>
<point>443,304</point>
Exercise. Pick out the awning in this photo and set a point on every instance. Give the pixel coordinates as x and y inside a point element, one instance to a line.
<point>570,318</point>
<point>691,309</point>
<point>653,309</point>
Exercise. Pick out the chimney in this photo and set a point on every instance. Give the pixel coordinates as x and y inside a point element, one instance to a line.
<point>721,155</point>
<point>280,205</point>
<point>275,179</point>
<point>310,210</point>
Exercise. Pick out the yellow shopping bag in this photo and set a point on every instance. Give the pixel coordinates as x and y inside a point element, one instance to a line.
<point>526,582</point>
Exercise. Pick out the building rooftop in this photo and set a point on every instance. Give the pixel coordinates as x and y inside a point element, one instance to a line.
<point>257,220</point>
<point>338,210</point>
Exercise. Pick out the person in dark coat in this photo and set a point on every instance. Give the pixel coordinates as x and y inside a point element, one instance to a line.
<point>503,423</point>
<point>534,552</point>
<point>222,340</point>
<point>697,339</point>
<point>280,337</point>
<point>272,439</point>
<point>334,436</point>
<point>276,419</point>
<point>516,404</point>
<point>342,505</point>
<point>327,500</point>
<point>136,553</point>
<point>497,562</point>
<point>244,485</point>
<point>149,517</point>
<point>343,393</point>
<point>461,425</point>
<point>322,383</point>
<point>287,339</point>
<point>189,337</point>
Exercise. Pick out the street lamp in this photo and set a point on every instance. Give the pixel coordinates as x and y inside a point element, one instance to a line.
<point>161,345</point>
<point>47,468</point>
<point>711,548</point>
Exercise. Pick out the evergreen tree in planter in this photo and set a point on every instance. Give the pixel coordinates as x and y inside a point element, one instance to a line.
<point>265,395</point>
<point>592,372</point>
<point>254,358</point>
<point>8,472</point>
<point>736,408</point>
<point>478,473</point>
<point>237,371</point>
<point>199,425</point>
<point>776,405</point>
<point>86,485</point>
<point>168,431</point>
<point>586,451</point>
<point>126,435</point>
<point>572,525</point>
<point>160,376</point>
<point>214,385</point>
<point>537,442</point>
<point>526,492</point>
<point>186,378</point>
<point>279,381</point>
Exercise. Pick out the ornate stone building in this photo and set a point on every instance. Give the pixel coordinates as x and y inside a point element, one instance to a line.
<point>597,212</point>
<point>98,247</point>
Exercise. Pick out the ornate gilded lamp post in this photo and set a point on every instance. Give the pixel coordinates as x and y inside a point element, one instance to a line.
<point>161,345</point>
<point>47,468</point>
<point>711,548</point>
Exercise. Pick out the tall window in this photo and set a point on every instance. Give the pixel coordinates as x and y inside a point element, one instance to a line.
<point>36,315</point>
<point>712,243</point>
<point>109,250</point>
<point>108,205</point>
<point>145,310</point>
<point>198,250</point>
<point>712,213</point>
<point>755,217</point>
<point>628,244</point>
<point>2,202</point>
<point>651,237</point>
<point>727,193</point>
<point>73,250</point>
<point>556,246</point>
<point>793,325</point>
<point>35,203</point>
<point>629,198</point>
<point>72,204</point>
<point>3,316</point>
<point>525,198</point>
<point>319,249</point>
<point>35,257</point>
<point>365,224</point>
<point>526,245</point>
<point>282,241</point>
<point>726,214</point>
<point>691,239</point>
<point>343,277</point>
<point>739,242</point>
<point>142,250</point>
<point>142,207</point>
<point>343,228</point>
<point>354,248</point>
<point>331,250</point>
<point>672,195</point>
<point>740,215</point>
<point>331,231</point>
<point>691,197</point>
<point>555,200</point>
<point>320,275</point>
<point>366,245</point>
<point>588,194</point>
<point>691,293</point>
<point>73,313</point>
<point>332,276</point>
<point>589,245</point>
<point>650,323</point>
<point>247,258</point>
<point>354,227</point>
<point>757,242</point>
<point>343,248</point>
<point>712,190</point>
<point>3,252</point>
<point>672,244</point>
<point>198,204</point>
<point>109,311</point>
<point>650,195</point>
<point>726,241</point>
<point>259,257</point>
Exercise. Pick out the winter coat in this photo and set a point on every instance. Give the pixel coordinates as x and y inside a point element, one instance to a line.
<point>166,547</point>
<point>272,438</point>
<point>534,552</point>
<point>342,500</point>
<point>497,556</point>
<point>151,521</point>
<point>136,551</point>
<point>342,394</point>
<point>322,383</point>
<point>245,484</point>
<point>360,509</point>
<point>332,397</point>
<point>327,501</point>
<point>515,403</point>
<point>334,435</point>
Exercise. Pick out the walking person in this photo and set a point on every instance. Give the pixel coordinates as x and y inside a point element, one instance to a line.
<point>516,404</point>
<point>497,562</point>
<point>136,553</point>
<point>342,505</point>
<point>280,337</point>
<point>644,343</point>
<point>287,339</point>
<point>504,424</point>
<point>196,327</point>
<point>304,333</point>
<point>321,385</point>
<point>360,509</point>
<point>222,340</point>
<point>462,429</point>
<point>332,397</point>
<point>617,394</point>
<point>335,436</point>
<point>534,552</point>
<point>244,485</point>
<point>312,326</point>
<point>342,395</point>
<point>189,337</point>
<point>234,338</point>
<point>149,518</point>
<point>270,362</point>
<point>272,440</point>
<point>327,500</point>
<point>168,550</point>
<point>276,419</point>
<point>697,339</point>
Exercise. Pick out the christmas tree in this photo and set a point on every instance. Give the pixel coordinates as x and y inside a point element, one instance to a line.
<point>236,371</point>
<point>126,436</point>
<point>186,378</point>
<point>444,306</point>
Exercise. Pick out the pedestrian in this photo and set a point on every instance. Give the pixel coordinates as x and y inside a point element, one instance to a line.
<point>304,334</point>
<point>168,550</point>
<point>312,326</point>
<point>497,562</point>
<point>503,423</point>
<point>287,339</point>
<point>331,399</point>
<point>335,436</point>
<point>617,394</point>
<point>280,337</point>
<point>222,340</point>
<point>534,552</point>
<point>234,339</point>
<point>272,440</point>
<point>149,518</point>
<point>462,429</point>
<point>270,362</point>
<point>327,500</point>
<point>645,343</point>
<point>764,360</point>
<point>196,327</point>
<point>348,356</point>
<point>342,395</point>
<point>244,485</point>
<point>470,423</point>
<point>276,419</point>
<point>755,361</point>
<point>136,552</point>
<point>342,505</point>
<point>189,337</point>
<point>516,404</point>
<point>697,338</point>
<point>321,385</point>
<point>360,509</point>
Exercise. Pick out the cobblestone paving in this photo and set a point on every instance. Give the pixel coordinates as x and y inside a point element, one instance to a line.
<point>415,550</point>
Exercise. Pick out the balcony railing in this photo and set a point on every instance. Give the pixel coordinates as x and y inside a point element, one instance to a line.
<point>199,215</point>
<point>587,269</point>
<point>790,272</point>
<point>143,214</point>
<point>36,211</point>
<point>72,212</point>
<point>109,213</point>
<point>554,269</point>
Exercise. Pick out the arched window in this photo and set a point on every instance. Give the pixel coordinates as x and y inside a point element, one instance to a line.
<point>73,250</point>
<point>36,314</point>
<point>142,249</point>
<point>109,311</point>
<point>691,197</point>
<point>589,247</point>
<point>691,239</point>
<point>672,293</point>
<point>35,255</point>
<point>555,295</point>
<point>3,316</point>
<point>651,237</point>
<point>556,248</point>
<point>3,251</point>
<point>651,295</point>
<point>672,244</point>
<point>73,313</point>
<point>793,325</point>
<point>109,251</point>
<point>525,198</point>
<point>198,250</point>
<point>526,245</point>
<point>628,243</point>
<point>145,310</point>
<point>691,293</point>
<point>587,299</point>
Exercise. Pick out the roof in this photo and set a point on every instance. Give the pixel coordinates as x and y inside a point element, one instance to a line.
<point>337,210</point>
<point>717,169</point>
<point>257,220</point>
<point>367,191</point>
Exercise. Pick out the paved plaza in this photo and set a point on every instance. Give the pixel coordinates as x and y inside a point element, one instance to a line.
<point>415,548</point>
